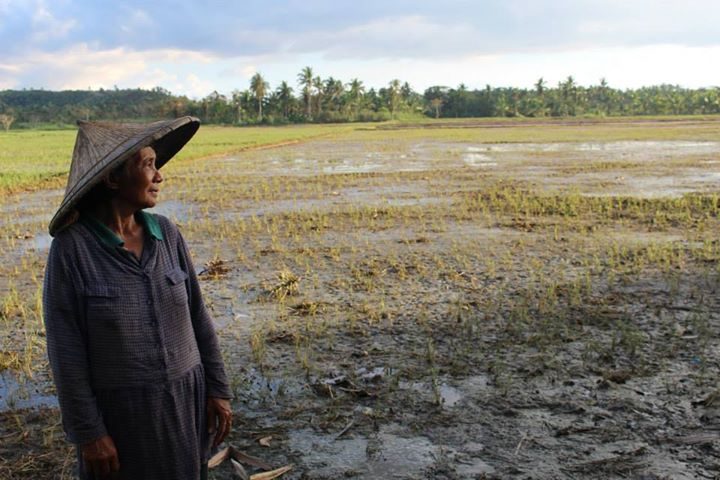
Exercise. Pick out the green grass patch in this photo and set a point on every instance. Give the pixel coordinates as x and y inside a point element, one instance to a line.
<point>548,130</point>
<point>33,159</point>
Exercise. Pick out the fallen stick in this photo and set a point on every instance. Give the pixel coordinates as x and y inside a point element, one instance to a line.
<point>272,474</point>
<point>249,459</point>
<point>345,430</point>
<point>239,470</point>
<point>522,439</point>
<point>235,454</point>
<point>219,457</point>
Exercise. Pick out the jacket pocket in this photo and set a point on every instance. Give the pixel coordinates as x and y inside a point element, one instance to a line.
<point>176,283</point>
<point>102,302</point>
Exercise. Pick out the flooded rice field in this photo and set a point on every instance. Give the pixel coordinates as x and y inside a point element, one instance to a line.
<point>430,309</point>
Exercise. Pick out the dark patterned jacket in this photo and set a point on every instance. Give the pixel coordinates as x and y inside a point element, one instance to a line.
<point>116,323</point>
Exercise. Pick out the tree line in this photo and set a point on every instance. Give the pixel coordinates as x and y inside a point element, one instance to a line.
<point>324,100</point>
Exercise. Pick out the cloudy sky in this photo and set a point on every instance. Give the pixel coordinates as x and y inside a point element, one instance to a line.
<point>195,47</point>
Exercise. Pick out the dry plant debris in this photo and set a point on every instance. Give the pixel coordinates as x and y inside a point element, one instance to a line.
<point>287,284</point>
<point>214,269</point>
<point>237,458</point>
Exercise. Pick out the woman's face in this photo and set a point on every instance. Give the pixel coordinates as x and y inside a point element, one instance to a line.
<point>139,183</point>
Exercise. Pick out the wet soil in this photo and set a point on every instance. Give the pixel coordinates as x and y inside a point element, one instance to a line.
<point>508,123</point>
<point>421,336</point>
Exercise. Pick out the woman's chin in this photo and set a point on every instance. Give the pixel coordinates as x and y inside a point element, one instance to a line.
<point>150,202</point>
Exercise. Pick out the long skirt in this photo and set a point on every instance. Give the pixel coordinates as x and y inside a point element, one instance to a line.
<point>159,431</point>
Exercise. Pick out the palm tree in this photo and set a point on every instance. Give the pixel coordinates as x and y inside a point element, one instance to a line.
<point>237,104</point>
<point>394,96</point>
<point>569,95</point>
<point>284,96</point>
<point>333,93</point>
<point>410,99</point>
<point>600,97</point>
<point>241,100</point>
<point>436,103</point>
<point>356,93</point>
<point>318,84</point>
<point>462,98</point>
<point>436,96</point>
<point>6,121</point>
<point>305,80</point>
<point>259,87</point>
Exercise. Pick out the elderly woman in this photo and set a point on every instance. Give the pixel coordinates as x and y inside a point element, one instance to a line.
<point>134,355</point>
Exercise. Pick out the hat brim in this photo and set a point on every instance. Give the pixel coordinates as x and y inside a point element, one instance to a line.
<point>167,140</point>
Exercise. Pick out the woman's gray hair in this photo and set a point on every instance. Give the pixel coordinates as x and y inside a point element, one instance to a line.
<point>100,193</point>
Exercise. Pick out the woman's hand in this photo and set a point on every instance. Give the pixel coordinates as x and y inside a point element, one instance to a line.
<point>219,418</point>
<point>100,457</point>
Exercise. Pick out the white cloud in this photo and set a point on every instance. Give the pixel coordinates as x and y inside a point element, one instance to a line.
<point>10,69</point>
<point>176,55</point>
<point>10,6</point>
<point>136,20</point>
<point>47,27</point>
<point>196,87</point>
<point>80,66</point>
<point>411,36</point>
<point>248,71</point>
<point>156,77</point>
<point>241,70</point>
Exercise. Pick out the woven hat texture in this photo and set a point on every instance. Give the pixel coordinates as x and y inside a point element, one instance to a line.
<point>102,146</point>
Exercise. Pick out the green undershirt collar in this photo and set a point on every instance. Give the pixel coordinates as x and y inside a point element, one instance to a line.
<point>107,236</point>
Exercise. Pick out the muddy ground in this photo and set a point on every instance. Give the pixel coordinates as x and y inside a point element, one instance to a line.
<point>432,309</point>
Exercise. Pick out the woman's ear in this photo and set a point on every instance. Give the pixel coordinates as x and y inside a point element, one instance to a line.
<point>111,181</point>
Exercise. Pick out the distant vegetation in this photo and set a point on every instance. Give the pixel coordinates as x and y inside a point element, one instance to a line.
<point>330,100</point>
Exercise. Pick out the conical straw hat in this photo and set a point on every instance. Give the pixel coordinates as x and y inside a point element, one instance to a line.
<point>102,146</point>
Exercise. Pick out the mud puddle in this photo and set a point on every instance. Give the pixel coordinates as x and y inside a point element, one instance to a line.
<point>513,161</point>
<point>38,200</point>
<point>537,162</point>
<point>38,243</point>
<point>644,149</point>
<point>20,393</point>
<point>175,210</point>
<point>395,196</point>
<point>386,454</point>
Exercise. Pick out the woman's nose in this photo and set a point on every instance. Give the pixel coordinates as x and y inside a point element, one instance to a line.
<point>158,177</point>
